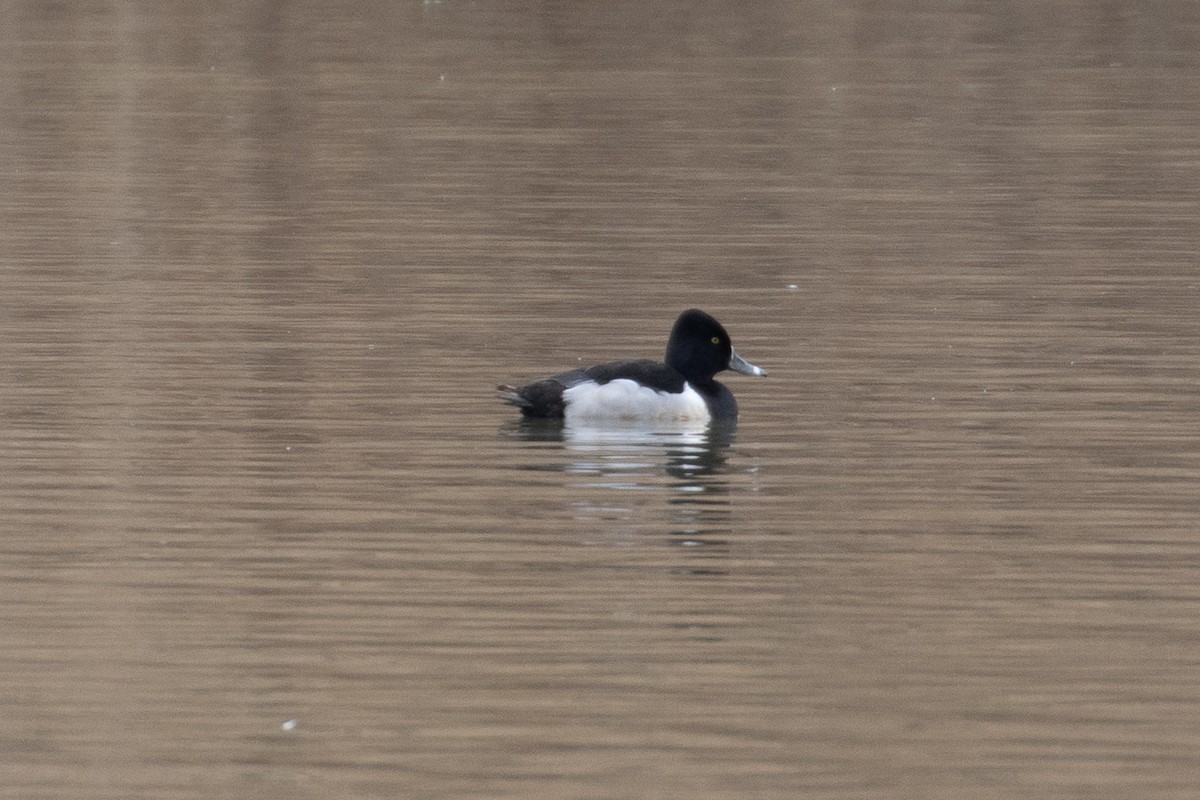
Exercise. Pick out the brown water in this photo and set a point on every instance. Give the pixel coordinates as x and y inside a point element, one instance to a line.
<point>265,532</point>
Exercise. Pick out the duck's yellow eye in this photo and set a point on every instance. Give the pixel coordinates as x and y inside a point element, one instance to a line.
<point>716,340</point>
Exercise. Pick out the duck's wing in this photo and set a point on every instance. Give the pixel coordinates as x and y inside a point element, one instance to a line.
<point>544,398</point>
<point>654,374</point>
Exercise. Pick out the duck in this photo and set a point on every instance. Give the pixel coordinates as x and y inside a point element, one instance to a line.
<point>679,388</point>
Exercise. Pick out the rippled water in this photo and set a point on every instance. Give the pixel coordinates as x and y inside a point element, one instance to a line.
<point>266,532</point>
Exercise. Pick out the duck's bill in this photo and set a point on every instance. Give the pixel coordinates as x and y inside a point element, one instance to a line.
<point>739,364</point>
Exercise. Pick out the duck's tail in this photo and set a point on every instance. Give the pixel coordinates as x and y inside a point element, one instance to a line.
<point>512,396</point>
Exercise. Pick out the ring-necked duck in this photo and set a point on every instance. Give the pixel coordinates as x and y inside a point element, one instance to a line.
<point>681,389</point>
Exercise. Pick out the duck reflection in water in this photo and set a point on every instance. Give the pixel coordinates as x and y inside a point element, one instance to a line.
<point>618,467</point>
<point>687,451</point>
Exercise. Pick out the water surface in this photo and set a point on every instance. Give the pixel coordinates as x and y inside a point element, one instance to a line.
<point>266,532</point>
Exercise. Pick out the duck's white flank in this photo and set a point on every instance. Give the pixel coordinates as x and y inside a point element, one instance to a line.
<point>624,399</point>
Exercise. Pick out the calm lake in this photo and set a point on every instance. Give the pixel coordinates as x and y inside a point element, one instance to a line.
<point>266,532</point>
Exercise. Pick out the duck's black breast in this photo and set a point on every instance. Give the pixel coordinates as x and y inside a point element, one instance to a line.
<point>720,401</point>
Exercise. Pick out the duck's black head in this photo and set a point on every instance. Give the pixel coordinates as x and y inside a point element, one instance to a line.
<point>699,348</point>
